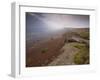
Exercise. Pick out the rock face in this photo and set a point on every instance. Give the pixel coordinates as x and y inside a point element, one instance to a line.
<point>75,37</point>
<point>78,39</point>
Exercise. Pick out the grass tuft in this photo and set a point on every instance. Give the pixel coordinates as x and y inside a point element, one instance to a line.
<point>82,57</point>
<point>84,35</point>
<point>44,50</point>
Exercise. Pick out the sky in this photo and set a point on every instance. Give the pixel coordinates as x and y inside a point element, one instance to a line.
<point>45,22</point>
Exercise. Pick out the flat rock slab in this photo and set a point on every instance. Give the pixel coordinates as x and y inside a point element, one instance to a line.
<point>67,55</point>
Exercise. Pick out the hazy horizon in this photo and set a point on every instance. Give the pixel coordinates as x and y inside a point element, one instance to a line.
<point>50,21</point>
<point>42,24</point>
